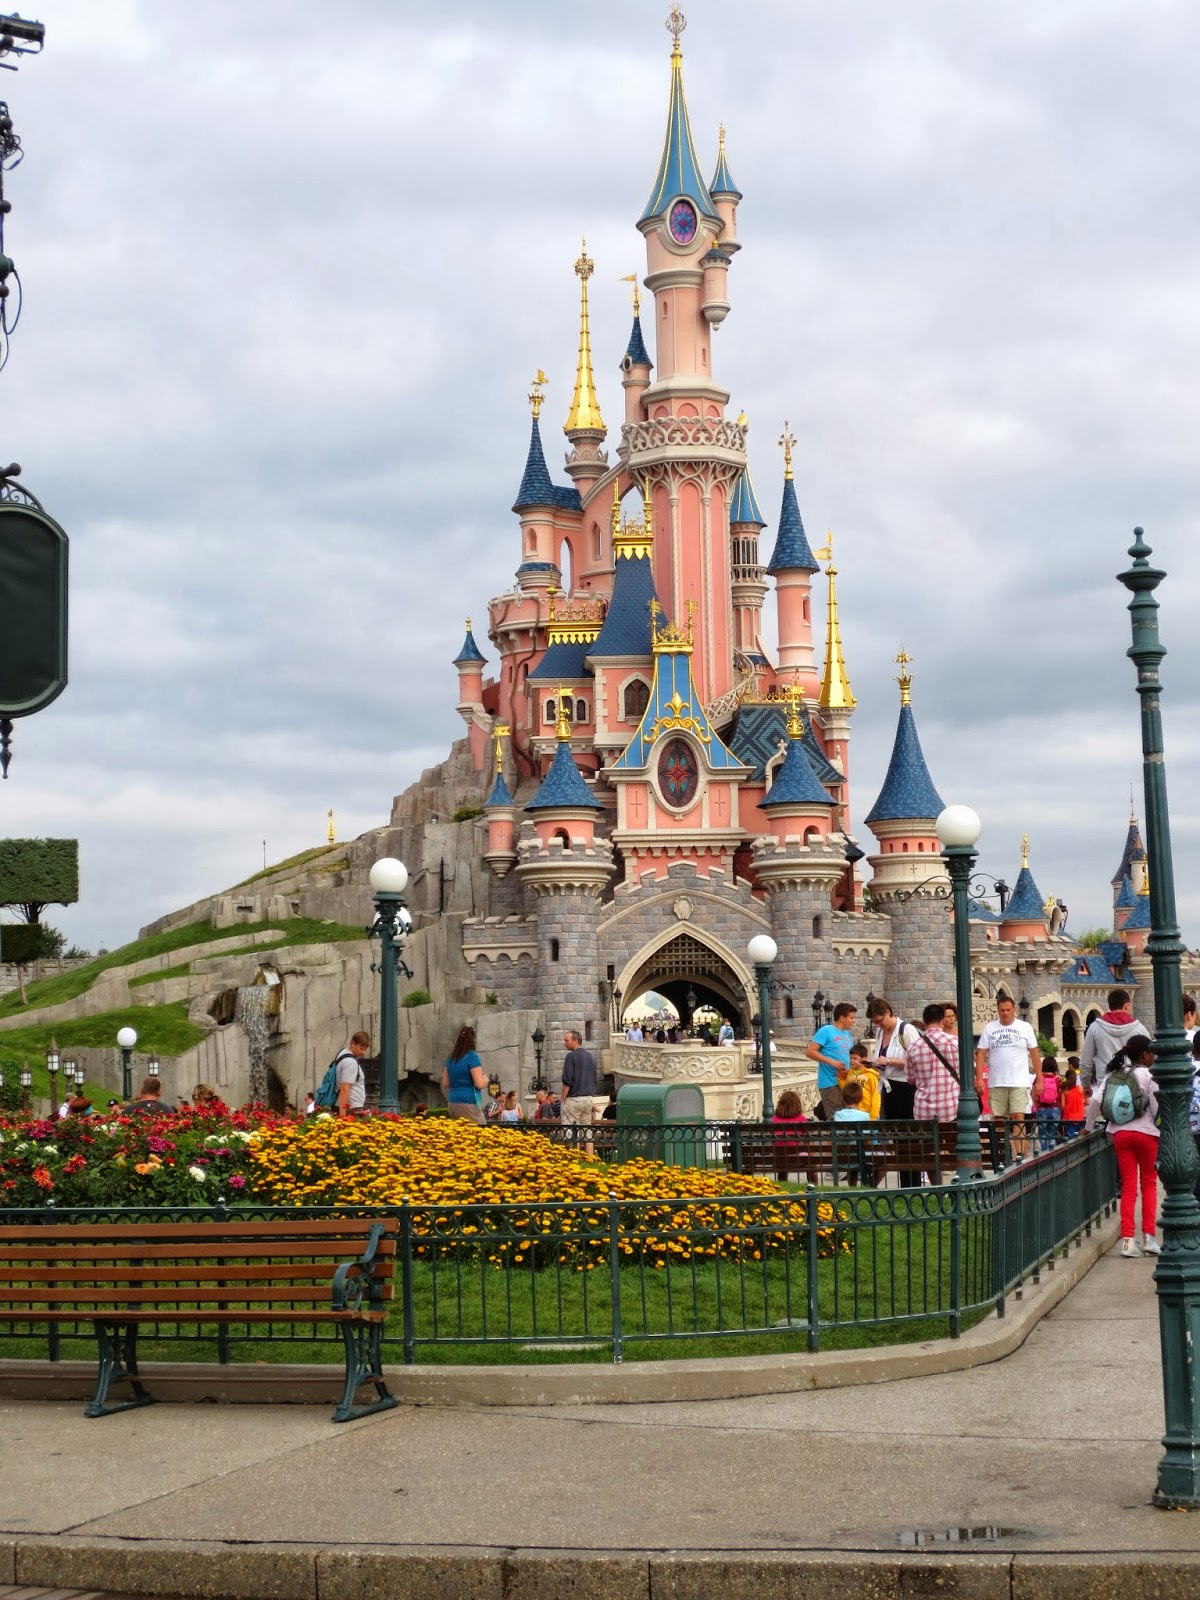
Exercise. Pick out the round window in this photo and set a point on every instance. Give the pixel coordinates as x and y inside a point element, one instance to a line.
<point>678,774</point>
<point>682,222</point>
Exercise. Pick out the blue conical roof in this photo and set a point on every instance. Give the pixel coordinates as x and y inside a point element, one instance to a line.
<point>1139,917</point>
<point>500,795</point>
<point>744,505</point>
<point>636,350</point>
<point>722,179</point>
<point>1026,902</point>
<point>796,783</point>
<point>1126,898</point>
<point>792,550</point>
<point>563,786</point>
<point>1134,851</point>
<point>908,792</point>
<point>626,630</point>
<point>678,170</point>
<point>470,650</point>
<point>536,488</point>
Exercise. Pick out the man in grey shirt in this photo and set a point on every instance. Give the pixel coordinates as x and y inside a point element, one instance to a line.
<point>352,1085</point>
<point>580,1102</point>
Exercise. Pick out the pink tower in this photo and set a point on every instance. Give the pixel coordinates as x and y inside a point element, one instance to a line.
<point>792,566</point>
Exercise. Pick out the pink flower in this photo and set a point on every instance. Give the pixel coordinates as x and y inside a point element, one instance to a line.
<point>237,1181</point>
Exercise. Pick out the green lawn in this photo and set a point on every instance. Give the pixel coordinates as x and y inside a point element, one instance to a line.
<point>161,1030</point>
<point>293,861</point>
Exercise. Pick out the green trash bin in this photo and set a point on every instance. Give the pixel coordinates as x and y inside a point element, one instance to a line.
<point>661,1122</point>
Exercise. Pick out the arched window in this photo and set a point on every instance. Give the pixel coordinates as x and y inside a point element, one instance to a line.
<point>637,698</point>
<point>587,1033</point>
<point>807,617</point>
<point>554,949</point>
<point>789,1009</point>
<point>565,837</point>
<point>817,928</point>
<point>530,542</point>
<point>581,711</point>
<point>551,711</point>
<point>596,541</point>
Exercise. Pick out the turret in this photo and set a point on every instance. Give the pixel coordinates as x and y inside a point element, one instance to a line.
<point>792,565</point>
<point>635,363</point>
<point>501,809</point>
<point>470,661</point>
<point>797,803</point>
<point>904,815</point>
<point>725,196</point>
<point>1137,925</point>
<point>535,507</point>
<point>564,807</point>
<point>1133,860</point>
<point>584,426</point>
<point>1124,903</point>
<point>1024,913</point>
<point>749,587</point>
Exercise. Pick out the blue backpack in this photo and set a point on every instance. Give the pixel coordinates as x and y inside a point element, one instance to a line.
<point>327,1091</point>
<point>1123,1098</point>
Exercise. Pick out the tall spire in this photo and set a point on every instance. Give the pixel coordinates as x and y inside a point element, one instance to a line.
<point>584,414</point>
<point>722,179</point>
<point>536,488</point>
<point>908,793</point>
<point>836,693</point>
<point>678,170</point>
<point>636,354</point>
<point>792,551</point>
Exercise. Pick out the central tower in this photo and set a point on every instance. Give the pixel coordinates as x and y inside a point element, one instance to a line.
<point>684,452</point>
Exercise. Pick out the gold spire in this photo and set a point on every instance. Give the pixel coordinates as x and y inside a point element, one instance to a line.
<point>836,693</point>
<point>329,831</point>
<point>721,140</point>
<point>584,415</point>
<point>631,537</point>
<point>631,277</point>
<point>1024,851</point>
<point>562,728</point>
<point>535,393</point>
<point>500,732</point>
<point>787,439</point>
<point>904,661</point>
<point>795,696</point>
<point>675,25</point>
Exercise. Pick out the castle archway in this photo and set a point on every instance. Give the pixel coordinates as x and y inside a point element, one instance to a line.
<point>679,964</point>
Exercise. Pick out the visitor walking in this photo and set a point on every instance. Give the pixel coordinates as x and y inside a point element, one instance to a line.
<point>149,1103</point>
<point>634,1033</point>
<point>464,1079</point>
<point>1107,1035</point>
<point>351,1080</point>
<point>725,1033</point>
<point>1074,1105</point>
<point>580,1102</point>
<point>1127,1104</point>
<point>889,1052</point>
<point>1008,1054</point>
<point>1048,1108</point>
<point>830,1049</point>
<point>932,1062</point>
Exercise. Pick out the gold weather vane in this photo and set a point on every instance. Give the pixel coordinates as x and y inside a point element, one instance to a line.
<point>675,24</point>
<point>535,392</point>
<point>631,277</point>
<point>795,698</point>
<point>500,732</point>
<point>1024,850</point>
<point>786,440</point>
<point>562,728</point>
<point>904,661</point>
<point>329,831</point>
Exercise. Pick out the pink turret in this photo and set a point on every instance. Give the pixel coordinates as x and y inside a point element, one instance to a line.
<point>470,661</point>
<point>792,566</point>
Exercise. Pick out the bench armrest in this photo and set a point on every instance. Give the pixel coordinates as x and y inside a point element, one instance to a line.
<point>355,1280</point>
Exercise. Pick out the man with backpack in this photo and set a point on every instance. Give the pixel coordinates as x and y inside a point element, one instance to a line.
<point>1105,1036</point>
<point>343,1089</point>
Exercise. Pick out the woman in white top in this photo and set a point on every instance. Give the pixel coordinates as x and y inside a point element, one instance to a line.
<point>889,1050</point>
<point>1135,1143</point>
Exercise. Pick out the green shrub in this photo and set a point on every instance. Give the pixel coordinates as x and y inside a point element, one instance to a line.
<point>1047,1046</point>
<point>417,997</point>
<point>466,813</point>
<point>21,942</point>
<point>39,872</point>
<point>491,999</point>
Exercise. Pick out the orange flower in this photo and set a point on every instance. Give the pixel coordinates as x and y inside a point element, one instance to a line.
<point>41,1176</point>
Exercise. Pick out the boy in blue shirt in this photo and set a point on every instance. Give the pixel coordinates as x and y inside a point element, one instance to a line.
<point>830,1049</point>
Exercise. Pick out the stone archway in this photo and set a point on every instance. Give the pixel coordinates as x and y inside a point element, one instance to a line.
<point>690,959</point>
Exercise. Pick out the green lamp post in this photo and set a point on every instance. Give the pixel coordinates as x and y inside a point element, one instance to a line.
<point>389,879</point>
<point>762,951</point>
<point>1177,1275</point>
<point>959,828</point>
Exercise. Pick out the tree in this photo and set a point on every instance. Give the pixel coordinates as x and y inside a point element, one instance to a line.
<point>36,873</point>
<point>1093,939</point>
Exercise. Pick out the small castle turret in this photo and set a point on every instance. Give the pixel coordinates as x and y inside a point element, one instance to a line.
<point>501,809</point>
<point>636,362</point>
<point>535,504</point>
<point>748,585</point>
<point>1024,915</point>
<point>792,565</point>
<point>470,663</point>
<point>798,803</point>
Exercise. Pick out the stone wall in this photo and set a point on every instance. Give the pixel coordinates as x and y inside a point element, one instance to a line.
<point>568,988</point>
<point>920,965</point>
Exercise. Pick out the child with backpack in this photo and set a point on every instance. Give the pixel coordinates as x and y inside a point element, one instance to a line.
<point>1125,1101</point>
<point>1048,1110</point>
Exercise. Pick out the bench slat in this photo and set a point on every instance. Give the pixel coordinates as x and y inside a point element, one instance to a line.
<point>218,1273</point>
<point>157,1293</point>
<point>50,1249</point>
<point>271,1228</point>
<point>213,1317</point>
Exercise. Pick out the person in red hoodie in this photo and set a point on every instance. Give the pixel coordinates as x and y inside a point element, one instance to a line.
<point>1105,1036</point>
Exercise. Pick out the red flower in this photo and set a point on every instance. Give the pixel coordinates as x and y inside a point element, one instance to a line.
<point>41,1176</point>
<point>74,1165</point>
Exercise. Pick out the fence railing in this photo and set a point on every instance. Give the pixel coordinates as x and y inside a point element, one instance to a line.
<point>774,1271</point>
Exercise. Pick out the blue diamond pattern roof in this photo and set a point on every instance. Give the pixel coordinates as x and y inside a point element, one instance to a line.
<point>499,795</point>
<point>908,792</point>
<point>1115,953</point>
<point>563,663</point>
<point>1126,898</point>
<point>1134,851</point>
<point>678,170</point>
<point>469,652</point>
<point>626,630</point>
<point>563,786</point>
<point>757,730</point>
<point>566,497</point>
<point>1025,903</point>
<point>536,566</point>
<point>791,542</point>
<point>536,488</point>
<point>1139,917</point>
<point>1091,967</point>
<point>722,179</point>
<point>636,348</point>
<point>795,782</point>
<point>744,506</point>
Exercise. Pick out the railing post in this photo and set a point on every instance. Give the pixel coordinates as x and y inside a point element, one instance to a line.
<point>614,1272</point>
<point>814,1304</point>
<point>956,1194</point>
<point>735,1147</point>
<point>406,1283</point>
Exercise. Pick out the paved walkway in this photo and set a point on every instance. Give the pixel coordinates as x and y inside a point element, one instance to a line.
<point>1056,1446</point>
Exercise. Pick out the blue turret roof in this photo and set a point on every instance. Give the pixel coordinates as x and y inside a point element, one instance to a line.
<point>722,179</point>
<point>1139,917</point>
<point>978,912</point>
<point>499,795</point>
<point>908,792</point>
<point>744,506</point>
<point>1134,851</point>
<point>536,488</point>
<point>678,170</point>
<point>1126,898</point>
<point>563,786</point>
<point>1025,903</point>
<point>636,348</point>
<point>792,550</point>
<point>470,650</point>
<point>626,630</point>
<point>796,783</point>
<point>563,663</point>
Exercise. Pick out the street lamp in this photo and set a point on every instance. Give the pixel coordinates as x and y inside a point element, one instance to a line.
<point>73,1075</point>
<point>1177,1275</point>
<point>539,1039</point>
<point>389,879</point>
<point>152,1067</point>
<point>126,1039</point>
<point>959,828</point>
<point>53,1062</point>
<point>1023,1008</point>
<point>818,1009</point>
<point>762,950</point>
<point>26,1084</point>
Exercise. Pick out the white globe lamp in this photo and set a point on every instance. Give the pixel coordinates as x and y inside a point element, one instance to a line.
<point>127,1038</point>
<point>959,826</point>
<point>389,876</point>
<point>762,950</point>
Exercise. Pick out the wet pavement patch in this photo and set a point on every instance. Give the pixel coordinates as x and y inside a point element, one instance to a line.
<point>979,1533</point>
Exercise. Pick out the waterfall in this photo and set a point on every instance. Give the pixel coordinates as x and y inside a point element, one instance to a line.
<point>250,1013</point>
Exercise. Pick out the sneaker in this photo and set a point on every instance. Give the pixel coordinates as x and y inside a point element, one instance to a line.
<point>1151,1246</point>
<point>1129,1247</point>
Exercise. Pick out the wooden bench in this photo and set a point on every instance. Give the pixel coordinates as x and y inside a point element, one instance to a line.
<point>858,1152</point>
<point>211,1273</point>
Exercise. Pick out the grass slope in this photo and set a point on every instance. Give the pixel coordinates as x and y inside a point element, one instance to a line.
<point>161,1031</point>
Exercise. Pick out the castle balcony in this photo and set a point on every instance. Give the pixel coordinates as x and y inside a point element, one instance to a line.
<point>666,440</point>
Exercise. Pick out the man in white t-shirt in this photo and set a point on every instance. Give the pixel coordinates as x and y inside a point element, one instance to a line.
<point>1008,1049</point>
<point>634,1033</point>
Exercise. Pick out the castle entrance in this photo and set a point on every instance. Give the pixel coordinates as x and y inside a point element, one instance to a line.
<point>691,974</point>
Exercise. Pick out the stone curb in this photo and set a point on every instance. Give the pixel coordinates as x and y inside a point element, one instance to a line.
<point>728,1378</point>
<point>217,1570</point>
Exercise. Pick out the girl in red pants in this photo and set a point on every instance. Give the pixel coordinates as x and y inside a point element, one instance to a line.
<point>1127,1091</point>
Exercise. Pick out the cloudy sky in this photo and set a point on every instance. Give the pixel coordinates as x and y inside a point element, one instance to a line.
<point>289,268</point>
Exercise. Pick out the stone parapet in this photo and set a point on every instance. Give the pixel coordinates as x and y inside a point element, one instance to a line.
<point>789,863</point>
<point>558,868</point>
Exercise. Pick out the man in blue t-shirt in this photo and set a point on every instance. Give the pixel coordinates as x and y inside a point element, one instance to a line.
<point>830,1049</point>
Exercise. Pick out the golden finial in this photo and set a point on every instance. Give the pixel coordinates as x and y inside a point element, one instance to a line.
<point>584,415</point>
<point>1049,908</point>
<point>743,421</point>
<point>329,831</point>
<point>836,693</point>
<point>795,697</point>
<point>675,25</point>
<point>562,728</point>
<point>500,732</point>
<point>904,661</point>
<point>1024,851</point>
<point>721,140</point>
<point>631,277</point>
<point>616,510</point>
<point>468,624</point>
<point>535,392</point>
<point>787,439</point>
<point>1145,888</point>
